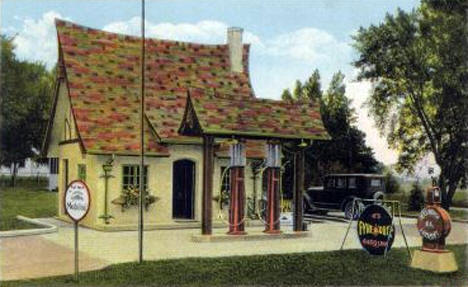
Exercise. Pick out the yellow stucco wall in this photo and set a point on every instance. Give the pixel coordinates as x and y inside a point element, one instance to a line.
<point>160,181</point>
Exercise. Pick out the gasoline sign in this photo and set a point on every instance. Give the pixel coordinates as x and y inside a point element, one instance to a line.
<point>77,200</point>
<point>375,230</point>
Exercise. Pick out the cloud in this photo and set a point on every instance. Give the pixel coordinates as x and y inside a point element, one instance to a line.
<point>37,39</point>
<point>359,92</point>
<point>309,44</point>
<point>207,31</point>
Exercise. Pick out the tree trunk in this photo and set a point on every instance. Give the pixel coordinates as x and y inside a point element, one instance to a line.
<point>451,192</point>
<point>13,175</point>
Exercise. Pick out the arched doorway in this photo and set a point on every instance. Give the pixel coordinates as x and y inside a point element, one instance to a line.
<point>183,189</point>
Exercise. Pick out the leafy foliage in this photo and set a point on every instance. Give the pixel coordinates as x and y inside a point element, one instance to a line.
<point>392,185</point>
<point>347,151</point>
<point>418,64</point>
<point>416,198</point>
<point>26,90</point>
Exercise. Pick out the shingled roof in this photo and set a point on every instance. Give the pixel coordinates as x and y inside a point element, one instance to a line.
<point>209,113</point>
<point>102,73</point>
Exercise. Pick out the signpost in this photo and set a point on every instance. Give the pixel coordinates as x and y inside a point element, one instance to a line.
<point>77,201</point>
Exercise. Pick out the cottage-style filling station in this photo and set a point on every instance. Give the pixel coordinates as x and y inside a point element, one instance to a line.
<point>206,134</point>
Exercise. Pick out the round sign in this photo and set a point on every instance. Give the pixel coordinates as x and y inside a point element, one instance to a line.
<point>77,200</point>
<point>433,223</point>
<point>375,230</point>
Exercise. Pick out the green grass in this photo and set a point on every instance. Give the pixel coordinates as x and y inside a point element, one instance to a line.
<point>351,267</point>
<point>460,198</point>
<point>454,214</point>
<point>27,201</point>
<point>24,181</point>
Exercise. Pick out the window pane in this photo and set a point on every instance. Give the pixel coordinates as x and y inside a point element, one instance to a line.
<point>131,176</point>
<point>376,182</point>
<point>340,182</point>
<point>352,182</point>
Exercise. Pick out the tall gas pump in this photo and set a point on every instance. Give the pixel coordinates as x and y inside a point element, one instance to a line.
<point>434,226</point>
<point>237,195</point>
<point>273,165</point>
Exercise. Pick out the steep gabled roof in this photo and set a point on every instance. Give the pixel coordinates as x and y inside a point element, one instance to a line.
<point>226,115</point>
<point>103,75</point>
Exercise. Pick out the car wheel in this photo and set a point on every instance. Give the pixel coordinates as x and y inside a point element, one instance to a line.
<point>348,210</point>
<point>379,196</point>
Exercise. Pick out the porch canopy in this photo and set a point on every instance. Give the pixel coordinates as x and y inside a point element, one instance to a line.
<point>222,115</point>
<point>209,114</point>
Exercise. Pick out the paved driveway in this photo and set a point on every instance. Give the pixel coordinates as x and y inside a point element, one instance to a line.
<point>52,254</point>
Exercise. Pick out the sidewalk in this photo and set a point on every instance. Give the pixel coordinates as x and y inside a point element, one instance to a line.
<point>52,254</point>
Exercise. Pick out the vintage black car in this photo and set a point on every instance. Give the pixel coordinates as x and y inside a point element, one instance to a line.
<point>339,190</point>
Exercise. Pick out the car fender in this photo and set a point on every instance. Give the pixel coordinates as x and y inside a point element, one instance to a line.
<point>378,194</point>
<point>308,199</point>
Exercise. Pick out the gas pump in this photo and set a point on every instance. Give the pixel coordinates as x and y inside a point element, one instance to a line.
<point>434,226</point>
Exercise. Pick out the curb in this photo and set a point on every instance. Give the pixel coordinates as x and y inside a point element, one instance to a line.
<point>48,228</point>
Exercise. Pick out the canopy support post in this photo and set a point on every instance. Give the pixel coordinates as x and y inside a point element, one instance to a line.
<point>298,196</point>
<point>207,204</point>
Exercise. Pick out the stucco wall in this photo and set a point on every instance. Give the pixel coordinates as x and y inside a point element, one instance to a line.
<point>159,181</point>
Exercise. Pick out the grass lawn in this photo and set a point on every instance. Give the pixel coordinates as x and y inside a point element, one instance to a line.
<point>351,267</point>
<point>25,200</point>
<point>454,214</point>
<point>460,199</point>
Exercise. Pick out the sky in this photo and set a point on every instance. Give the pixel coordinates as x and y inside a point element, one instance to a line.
<point>289,39</point>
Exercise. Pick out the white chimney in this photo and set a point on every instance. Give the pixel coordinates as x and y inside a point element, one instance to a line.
<point>234,38</point>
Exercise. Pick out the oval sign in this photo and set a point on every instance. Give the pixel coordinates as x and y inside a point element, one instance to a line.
<point>77,200</point>
<point>431,224</point>
<point>375,230</point>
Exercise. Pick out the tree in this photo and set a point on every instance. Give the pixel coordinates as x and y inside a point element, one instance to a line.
<point>346,151</point>
<point>418,64</point>
<point>26,90</point>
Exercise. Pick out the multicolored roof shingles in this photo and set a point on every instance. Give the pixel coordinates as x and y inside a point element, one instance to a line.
<point>102,72</point>
<point>227,115</point>
<point>103,76</point>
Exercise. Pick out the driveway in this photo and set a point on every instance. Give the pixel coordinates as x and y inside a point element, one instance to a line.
<point>52,254</point>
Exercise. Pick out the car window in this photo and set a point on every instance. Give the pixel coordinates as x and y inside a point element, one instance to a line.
<point>340,182</point>
<point>376,182</point>
<point>351,182</point>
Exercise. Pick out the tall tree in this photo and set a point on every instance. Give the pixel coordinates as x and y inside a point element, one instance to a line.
<point>418,64</point>
<point>347,150</point>
<point>26,90</point>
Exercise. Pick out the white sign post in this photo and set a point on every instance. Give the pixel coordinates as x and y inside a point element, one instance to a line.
<point>77,201</point>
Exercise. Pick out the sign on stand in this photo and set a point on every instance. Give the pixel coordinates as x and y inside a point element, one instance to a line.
<point>77,201</point>
<point>375,230</point>
<point>375,227</point>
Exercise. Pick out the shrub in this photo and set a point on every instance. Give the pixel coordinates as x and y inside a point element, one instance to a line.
<point>392,185</point>
<point>416,198</point>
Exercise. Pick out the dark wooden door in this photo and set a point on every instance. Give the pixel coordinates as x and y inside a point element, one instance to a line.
<point>183,184</point>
